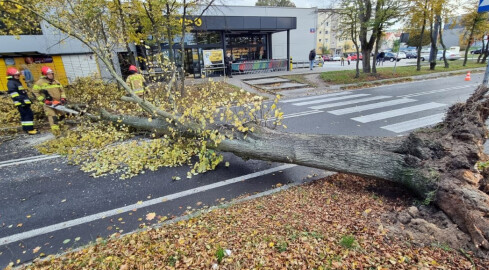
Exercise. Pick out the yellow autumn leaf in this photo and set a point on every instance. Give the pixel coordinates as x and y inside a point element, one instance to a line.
<point>36,249</point>
<point>150,216</point>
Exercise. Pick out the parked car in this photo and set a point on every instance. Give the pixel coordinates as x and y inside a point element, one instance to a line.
<point>336,58</point>
<point>449,55</point>
<point>478,51</point>
<point>400,55</point>
<point>354,57</point>
<point>327,58</point>
<point>391,57</point>
<point>411,54</point>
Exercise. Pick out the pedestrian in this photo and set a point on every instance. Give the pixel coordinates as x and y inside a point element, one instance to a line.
<point>228,61</point>
<point>50,93</point>
<point>29,79</point>
<point>21,100</point>
<point>348,59</point>
<point>382,57</point>
<point>342,60</point>
<point>136,81</point>
<point>312,56</point>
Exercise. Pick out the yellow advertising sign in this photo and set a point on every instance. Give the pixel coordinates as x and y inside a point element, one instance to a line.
<point>213,57</point>
<point>196,21</point>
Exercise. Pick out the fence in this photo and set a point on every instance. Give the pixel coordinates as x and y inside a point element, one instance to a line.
<point>261,66</point>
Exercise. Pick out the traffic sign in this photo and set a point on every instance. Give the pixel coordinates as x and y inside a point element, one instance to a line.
<point>483,6</point>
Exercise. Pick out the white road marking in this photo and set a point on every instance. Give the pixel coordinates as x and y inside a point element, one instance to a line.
<point>415,123</point>
<point>337,104</point>
<point>26,160</point>
<point>315,97</point>
<point>371,106</point>
<point>398,112</point>
<point>113,212</point>
<point>329,99</point>
<point>437,91</point>
<point>292,115</point>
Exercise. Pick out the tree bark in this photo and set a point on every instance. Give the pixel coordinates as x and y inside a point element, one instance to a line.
<point>420,45</point>
<point>469,41</point>
<point>434,48</point>
<point>438,18</point>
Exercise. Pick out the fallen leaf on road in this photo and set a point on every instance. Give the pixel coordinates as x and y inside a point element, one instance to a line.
<point>28,216</point>
<point>77,239</point>
<point>150,216</point>
<point>36,249</point>
<point>66,241</point>
<point>19,225</point>
<point>140,202</point>
<point>64,200</point>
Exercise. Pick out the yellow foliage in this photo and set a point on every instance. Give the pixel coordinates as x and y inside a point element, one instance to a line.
<point>104,149</point>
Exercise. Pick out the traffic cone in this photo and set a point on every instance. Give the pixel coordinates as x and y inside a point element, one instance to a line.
<point>467,78</point>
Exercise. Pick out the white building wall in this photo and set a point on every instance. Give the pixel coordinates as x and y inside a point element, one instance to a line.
<point>81,65</point>
<point>301,39</point>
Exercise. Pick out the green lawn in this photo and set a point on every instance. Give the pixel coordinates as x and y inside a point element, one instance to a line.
<point>348,76</point>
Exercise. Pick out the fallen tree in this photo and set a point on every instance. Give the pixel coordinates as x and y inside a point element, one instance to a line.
<point>440,164</point>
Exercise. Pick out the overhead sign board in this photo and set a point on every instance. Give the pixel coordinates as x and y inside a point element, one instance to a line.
<point>483,6</point>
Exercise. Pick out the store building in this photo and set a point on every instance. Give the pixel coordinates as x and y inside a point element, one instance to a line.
<point>251,34</point>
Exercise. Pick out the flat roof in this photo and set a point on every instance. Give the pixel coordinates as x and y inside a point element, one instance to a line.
<point>243,23</point>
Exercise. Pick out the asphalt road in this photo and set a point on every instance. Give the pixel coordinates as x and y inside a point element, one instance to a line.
<point>45,202</point>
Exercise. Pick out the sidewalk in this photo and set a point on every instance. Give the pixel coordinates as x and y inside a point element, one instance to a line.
<point>239,80</point>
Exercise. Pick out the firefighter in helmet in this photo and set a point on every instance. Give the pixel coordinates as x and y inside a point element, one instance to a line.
<point>136,81</point>
<point>21,100</point>
<point>50,93</point>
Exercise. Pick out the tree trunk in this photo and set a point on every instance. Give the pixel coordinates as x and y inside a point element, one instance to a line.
<point>120,13</point>
<point>438,18</point>
<point>376,52</point>
<point>420,45</point>
<point>471,36</point>
<point>486,53</point>
<point>182,48</point>
<point>437,163</point>
<point>171,54</point>
<point>434,48</point>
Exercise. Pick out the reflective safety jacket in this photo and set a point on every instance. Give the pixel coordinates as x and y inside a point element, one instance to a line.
<point>54,90</point>
<point>136,82</point>
<point>17,92</point>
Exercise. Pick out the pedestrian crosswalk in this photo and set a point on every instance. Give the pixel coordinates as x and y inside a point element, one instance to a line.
<point>400,108</point>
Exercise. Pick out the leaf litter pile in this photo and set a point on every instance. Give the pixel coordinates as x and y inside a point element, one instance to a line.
<point>341,222</point>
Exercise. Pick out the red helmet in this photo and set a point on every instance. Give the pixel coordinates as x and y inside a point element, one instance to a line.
<point>133,68</point>
<point>45,70</point>
<point>11,71</point>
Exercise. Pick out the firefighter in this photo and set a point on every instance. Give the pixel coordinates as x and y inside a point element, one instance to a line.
<point>50,93</point>
<point>21,100</point>
<point>136,81</point>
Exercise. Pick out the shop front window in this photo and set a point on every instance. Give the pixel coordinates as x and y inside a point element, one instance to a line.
<point>246,47</point>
